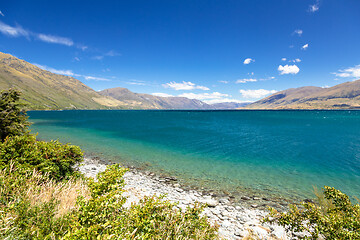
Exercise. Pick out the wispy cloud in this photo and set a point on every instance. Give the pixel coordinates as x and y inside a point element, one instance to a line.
<point>288,69</point>
<point>297,60</point>
<point>351,72</point>
<point>16,31</point>
<point>314,7</point>
<point>162,95</point>
<point>225,82</point>
<point>245,80</point>
<point>256,93</point>
<point>111,53</point>
<point>210,98</point>
<point>305,46</point>
<point>248,61</point>
<point>69,73</point>
<point>55,39</point>
<point>95,78</point>
<point>283,59</point>
<point>136,82</point>
<point>184,86</point>
<point>204,96</point>
<point>298,32</point>
<point>2,13</point>
<point>57,71</point>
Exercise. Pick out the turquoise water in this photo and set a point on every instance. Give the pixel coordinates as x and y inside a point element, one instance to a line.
<point>279,153</point>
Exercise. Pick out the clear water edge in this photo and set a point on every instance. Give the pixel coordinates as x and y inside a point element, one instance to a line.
<point>280,154</point>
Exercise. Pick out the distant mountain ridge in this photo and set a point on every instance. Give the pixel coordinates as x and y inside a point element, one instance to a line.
<point>147,101</point>
<point>42,90</point>
<point>341,96</point>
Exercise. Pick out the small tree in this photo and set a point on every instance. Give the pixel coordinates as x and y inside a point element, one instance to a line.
<point>13,119</point>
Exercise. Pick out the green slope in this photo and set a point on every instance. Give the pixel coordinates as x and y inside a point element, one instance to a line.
<point>45,90</point>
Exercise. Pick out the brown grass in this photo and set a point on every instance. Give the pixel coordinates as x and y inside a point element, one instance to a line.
<point>39,189</point>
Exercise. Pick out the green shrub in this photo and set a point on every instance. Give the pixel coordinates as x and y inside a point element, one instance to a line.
<point>53,158</point>
<point>103,216</point>
<point>29,204</point>
<point>334,217</point>
<point>13,120</point>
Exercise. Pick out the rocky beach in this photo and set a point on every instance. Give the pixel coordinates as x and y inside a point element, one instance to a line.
<point>234,221</point>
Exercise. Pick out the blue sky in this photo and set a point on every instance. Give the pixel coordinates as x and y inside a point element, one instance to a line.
<point>214,51</point>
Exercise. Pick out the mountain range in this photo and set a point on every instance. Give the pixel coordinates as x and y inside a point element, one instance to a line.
<point>342,96</point>
<point>42,90</point>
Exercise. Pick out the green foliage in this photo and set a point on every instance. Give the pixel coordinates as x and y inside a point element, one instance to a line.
<point>103,216</point>
<point>334,217</point>
<point>53,158</point>
<point>22,214</point>
<point>13,120</point>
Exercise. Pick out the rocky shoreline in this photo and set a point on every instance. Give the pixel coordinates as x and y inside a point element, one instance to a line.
<point>235,222</point>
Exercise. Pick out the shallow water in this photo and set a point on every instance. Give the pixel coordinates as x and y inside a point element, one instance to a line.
<point>278,153</point>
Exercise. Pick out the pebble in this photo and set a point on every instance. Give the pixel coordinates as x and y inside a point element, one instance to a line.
<point>235,222</point>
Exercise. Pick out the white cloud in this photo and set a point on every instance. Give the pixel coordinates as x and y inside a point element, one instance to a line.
<point>223,100</point>
<point>297,60</point>
<point>265,79</point>
<point>96,78</point>
<point>17,31</point>
<point>136,82</point>
<point>69,73</point>
<point>257,93</point>
<point>162,95</point>
<point>210,98</point>
<point>305,47</point>
<point>82,47</point>
<point>55,39</point>
<point>283,59</point>
<point>299,32</point>
<point>249,60</point>
<point>56,71</point>
<point>288,69</point>
<point>112,53</point>
<point>184,86</point>
<point>224,82</point>
<point>315,7</point>
<point>2,13</point>
<point>204,96</point>
<point>353,72</point>
<point>245,80</point>
<point>77,59</point>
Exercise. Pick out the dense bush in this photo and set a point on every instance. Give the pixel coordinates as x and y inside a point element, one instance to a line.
<point>53,158</point>
<point>34,207</point>
<point>13,120</point>
<point>333,217</point>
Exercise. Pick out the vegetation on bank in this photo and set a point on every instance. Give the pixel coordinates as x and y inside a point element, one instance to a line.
<point>332,217</point>
<point>43,197</point>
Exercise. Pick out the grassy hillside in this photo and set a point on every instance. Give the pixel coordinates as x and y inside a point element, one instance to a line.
<point>341,96</point>
<point>45,90</point>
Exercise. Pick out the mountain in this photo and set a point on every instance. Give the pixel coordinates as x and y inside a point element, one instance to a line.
<point>45,90</point>
<point>341,96</point>
<point>42,90</point>
<point>146,101</point>
<point>229,105</point>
